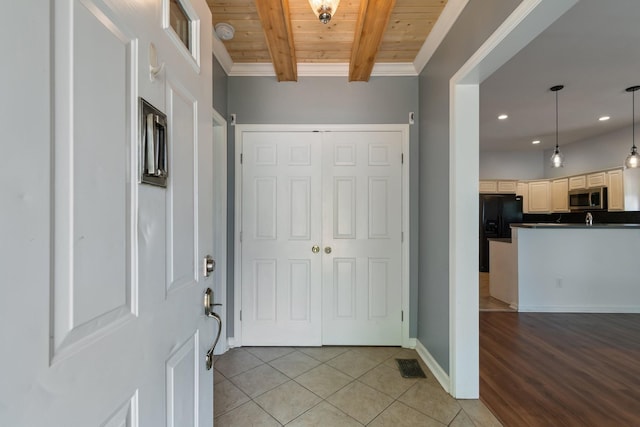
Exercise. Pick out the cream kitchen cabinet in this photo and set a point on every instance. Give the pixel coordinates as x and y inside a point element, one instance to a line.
<point>577,182</point>
<point>539,197</point>
<point>598,179</point>
<point>560,195</point>
<point>522,189</point>
<point>488,186</point>
<point>496,186</point>
<point>507,187</point>
<point>616,190</point>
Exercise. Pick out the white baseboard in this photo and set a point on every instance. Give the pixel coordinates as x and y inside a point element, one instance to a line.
<point>412,343</point>
<point>231,342</point>
<point>436,369</point>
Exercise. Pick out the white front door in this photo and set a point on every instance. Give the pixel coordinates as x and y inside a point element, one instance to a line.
<point>109,330</point>
<point>281,223</point>
<point>338,193</point>
<point>362,230</point>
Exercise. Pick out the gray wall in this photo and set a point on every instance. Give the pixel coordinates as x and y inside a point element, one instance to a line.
<point>327,100</point>
<point>598,153</point>
<point>220,104</point>
<point>601,152</point>
<point>219,88</point>
<point>512,164</point>
<point>479,19</point>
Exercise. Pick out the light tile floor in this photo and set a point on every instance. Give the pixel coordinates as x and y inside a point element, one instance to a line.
<point>333,386</point>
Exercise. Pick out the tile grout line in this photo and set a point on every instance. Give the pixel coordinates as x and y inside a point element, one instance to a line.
<point>382,363</point>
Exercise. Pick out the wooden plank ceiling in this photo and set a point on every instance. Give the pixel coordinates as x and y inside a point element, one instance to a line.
<point>361,33</point>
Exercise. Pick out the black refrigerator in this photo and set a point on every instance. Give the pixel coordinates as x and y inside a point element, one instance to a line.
<point>497,212</point>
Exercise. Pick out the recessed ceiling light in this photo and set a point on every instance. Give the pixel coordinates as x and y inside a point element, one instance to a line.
<point>537,141</point>
<point>604,118</point>
<point>502,117</point>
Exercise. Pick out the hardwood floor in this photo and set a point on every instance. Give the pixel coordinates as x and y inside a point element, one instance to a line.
<point>561,369</point>
<point>487,302</point>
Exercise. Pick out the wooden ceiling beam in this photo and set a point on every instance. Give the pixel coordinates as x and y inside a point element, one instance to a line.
<point>276,22</point>
<point>372,22</point>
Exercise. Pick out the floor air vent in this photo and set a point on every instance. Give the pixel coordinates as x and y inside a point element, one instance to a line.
<point>410,368</point>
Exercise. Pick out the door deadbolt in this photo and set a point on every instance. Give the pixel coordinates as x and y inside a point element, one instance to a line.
<point>327,249</point>
<point>209,265</point>
<point>315,249</point>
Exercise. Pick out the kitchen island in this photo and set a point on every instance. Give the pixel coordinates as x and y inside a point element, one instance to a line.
<point>553,267</point>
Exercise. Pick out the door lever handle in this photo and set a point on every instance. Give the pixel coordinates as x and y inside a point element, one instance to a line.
<point>208,303</point>
<point>208,311</point>
<point>209,356</point>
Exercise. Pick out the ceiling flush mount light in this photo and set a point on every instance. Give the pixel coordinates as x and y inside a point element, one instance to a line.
<point>503,117</point>
<point>557,159</point>
<point>536,142</point>
<point>224,31</point>
<point>604,118</point>
<point>324,9</point>
<point>633,159</point>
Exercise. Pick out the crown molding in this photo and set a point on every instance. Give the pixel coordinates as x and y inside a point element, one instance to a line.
<point>252,69</point>
<point>394,69</point>
<point>307,69</point>
<point>221,54</point>
<point>447,18</point>
<point>263,69</point>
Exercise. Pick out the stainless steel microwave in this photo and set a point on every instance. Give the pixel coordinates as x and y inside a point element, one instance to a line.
<point>590,199</point>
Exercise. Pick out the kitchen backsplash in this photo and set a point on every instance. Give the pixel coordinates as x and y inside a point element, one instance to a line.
<point>631,217</point>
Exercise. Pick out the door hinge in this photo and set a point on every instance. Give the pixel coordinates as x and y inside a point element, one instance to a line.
<point>241,236</point>
<point>241,315</point>
<point>401,236</point>
<point>402,158</point>
<point>402,316</point>
<point>240,158</point>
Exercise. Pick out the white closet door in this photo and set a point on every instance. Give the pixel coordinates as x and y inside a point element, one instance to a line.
<point>281,222</point>
<point>362,253</point>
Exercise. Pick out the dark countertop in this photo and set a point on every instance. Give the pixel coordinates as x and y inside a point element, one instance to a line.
<point>500,239</point>
<point>567,225</point>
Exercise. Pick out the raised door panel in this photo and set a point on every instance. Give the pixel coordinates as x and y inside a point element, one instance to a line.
<point>344,212</point>
<point>94,281</point>
<point>507,187</point>
<point>539,197</point>
<point>264,219</point>
<point>560,195</point>
<point>598,179</point>
<point>182,214</point>
<point>300,208</point>
<point>344,288</point>
<point>616,190</point>
<point>577,182</point>
<point>181,386</point>
<point>488,186</point>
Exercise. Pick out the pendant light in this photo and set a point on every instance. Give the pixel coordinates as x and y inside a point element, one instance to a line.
<point>557,159</point>
<point>633,159</point>
<point>324,9</point>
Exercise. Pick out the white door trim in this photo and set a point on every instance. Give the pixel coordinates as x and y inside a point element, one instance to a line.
<point>220,208</point>
<point>528,20</point>
<point>403,128</point>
